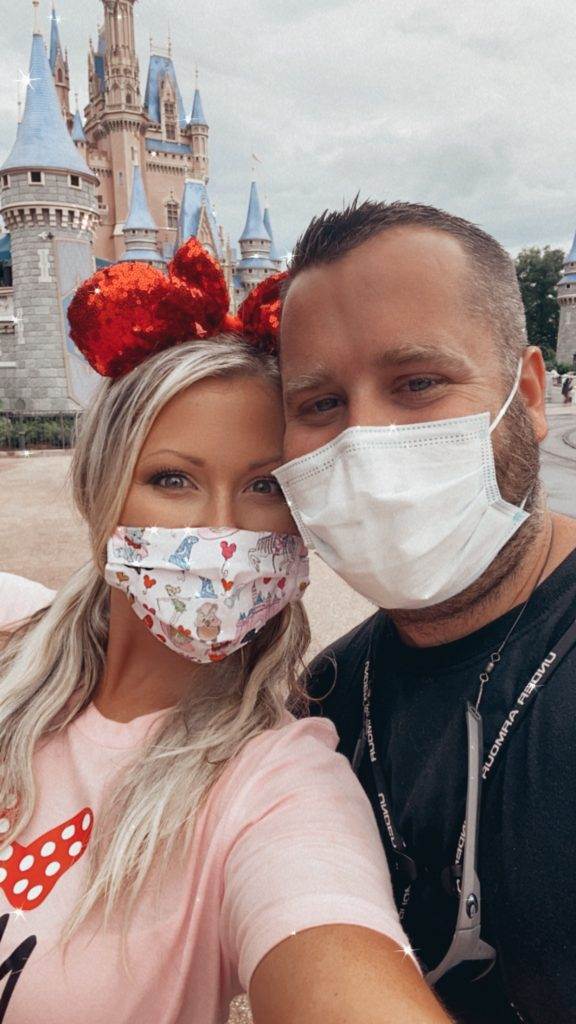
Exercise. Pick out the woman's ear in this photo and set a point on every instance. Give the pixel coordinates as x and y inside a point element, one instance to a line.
<point>533,389</point>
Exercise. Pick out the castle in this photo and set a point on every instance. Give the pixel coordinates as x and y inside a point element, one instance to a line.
<point>130,181</point>
<point>566,346</point>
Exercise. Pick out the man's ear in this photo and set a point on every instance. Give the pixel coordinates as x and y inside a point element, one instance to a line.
<point>533,389</point>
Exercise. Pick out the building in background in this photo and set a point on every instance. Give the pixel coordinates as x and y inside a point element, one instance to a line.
<point>566,346</point>
<point>127,181</point>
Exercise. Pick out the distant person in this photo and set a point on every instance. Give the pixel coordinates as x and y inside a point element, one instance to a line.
<point>170,834</point>
<point>414,411</point>
<point>567,387</point>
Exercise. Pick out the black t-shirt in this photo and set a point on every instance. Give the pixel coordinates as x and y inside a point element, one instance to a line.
<point>527,862</point>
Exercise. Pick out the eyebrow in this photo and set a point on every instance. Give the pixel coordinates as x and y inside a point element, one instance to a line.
<point>399,355</point>
<point>259,464</point>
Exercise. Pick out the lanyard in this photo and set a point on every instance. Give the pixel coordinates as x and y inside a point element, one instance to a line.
<point>404,864</point>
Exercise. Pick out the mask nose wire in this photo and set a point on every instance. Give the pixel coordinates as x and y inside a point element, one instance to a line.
<point>510,398</point>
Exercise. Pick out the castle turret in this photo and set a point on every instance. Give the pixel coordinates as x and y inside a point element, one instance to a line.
<point>566,347</point>
<point>275,255</point>
<point>78,135</point>
<point>199,133</point>
<point>140,230</point>
<point>48,203</point>
<point>255,244</point>
<point>59,66</point>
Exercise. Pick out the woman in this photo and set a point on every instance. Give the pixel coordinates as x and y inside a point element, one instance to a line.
<point>171,835</point>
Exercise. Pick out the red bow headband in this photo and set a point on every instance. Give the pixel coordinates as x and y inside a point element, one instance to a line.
<point>129,311</point>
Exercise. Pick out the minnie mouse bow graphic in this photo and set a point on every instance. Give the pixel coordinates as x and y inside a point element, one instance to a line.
<point>130,311</point>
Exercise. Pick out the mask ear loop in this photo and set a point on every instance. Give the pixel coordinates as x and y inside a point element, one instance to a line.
<point>510,398</point>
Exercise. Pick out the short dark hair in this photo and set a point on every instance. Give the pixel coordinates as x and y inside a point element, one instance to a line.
<point>495,295</point>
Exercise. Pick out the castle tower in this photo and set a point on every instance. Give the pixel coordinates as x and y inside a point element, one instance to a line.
<point>122,118</point>
<point>255,263</point>
<point>140,231</point>
<point>47,200</point>
<point>275,254</point>
<point>566,347</point>
<point>199,132</point>
<point>59,66</point>
<point>121,67</point>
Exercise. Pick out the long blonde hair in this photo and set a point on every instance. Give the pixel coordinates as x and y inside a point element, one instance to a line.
<point>50,668</point>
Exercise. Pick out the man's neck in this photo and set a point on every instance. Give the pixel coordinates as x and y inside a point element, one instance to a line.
<point>542,553</point>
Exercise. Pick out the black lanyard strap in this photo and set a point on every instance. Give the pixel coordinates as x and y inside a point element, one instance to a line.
<point>404,864</point>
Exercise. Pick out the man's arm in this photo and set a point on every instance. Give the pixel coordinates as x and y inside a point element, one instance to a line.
<point>339,974</point>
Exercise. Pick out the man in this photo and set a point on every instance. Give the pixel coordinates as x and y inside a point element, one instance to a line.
<point>402,318</point>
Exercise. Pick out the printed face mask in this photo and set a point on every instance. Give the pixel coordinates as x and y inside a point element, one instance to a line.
<point>409,516</point>
<point>206,592</point>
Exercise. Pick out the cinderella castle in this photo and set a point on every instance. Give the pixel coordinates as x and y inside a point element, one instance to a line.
<point>129,181</point>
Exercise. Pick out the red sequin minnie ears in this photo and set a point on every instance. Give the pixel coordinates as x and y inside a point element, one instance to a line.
<point>129,311</point>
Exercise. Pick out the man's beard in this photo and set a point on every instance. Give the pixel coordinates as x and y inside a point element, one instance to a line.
<point>517,461</point>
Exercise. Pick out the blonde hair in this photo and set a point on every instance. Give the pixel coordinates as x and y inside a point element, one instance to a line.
<point>50,668</point>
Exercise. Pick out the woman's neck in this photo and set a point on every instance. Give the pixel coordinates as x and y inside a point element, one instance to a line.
<point>141,675</point>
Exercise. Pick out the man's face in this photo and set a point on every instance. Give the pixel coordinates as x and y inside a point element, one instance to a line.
<point>383,335</point>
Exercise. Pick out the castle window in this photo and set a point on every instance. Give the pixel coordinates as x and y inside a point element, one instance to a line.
<point>75,180</point>
<point>100,202</point>
<point>59,76</point>
<point>5,181</point>
<point>35,177</point>
<point>172,214</point>
<point>170,119</point>
<point>129,98</point>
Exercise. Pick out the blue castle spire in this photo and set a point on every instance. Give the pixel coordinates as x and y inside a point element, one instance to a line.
<point>78,128</point>
<point>139,216</point>
<point>571,257</point>
<point>275,255</point>
<point>55,43</point>
<point>254,227</point>
<point>197,116</point>
<point>42,139</point>
<point>195,201</point>
<point>140,230</point>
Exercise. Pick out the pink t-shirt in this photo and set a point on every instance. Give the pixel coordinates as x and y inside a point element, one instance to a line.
<point>285,841</point>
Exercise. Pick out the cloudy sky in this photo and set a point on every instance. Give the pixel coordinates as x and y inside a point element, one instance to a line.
<point>466,104</point>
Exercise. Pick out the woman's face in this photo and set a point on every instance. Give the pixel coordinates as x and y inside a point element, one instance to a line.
<point>208,458</point>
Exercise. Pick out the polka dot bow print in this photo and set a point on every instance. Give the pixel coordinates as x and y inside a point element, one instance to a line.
<point>29,873</point>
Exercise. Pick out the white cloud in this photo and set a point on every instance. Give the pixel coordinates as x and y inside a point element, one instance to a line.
<point>462,104</point>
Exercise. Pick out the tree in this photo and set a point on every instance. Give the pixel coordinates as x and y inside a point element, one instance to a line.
<point>538,272</point>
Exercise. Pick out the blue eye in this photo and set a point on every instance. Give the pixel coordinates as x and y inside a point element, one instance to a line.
<point>320,406</point>
<point>170,481</point>
<point>266,485</point>
<point>420,383</point>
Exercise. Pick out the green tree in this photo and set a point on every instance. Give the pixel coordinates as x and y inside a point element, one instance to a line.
<point>538,272</point>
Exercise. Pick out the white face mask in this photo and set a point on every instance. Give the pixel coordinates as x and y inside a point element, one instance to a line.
<point>206,592</point>
<point>409,516</point>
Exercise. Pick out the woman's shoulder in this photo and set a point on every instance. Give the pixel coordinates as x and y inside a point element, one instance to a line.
<point>20,598</point>
<point>280,762</point>
<point>291,741</point>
